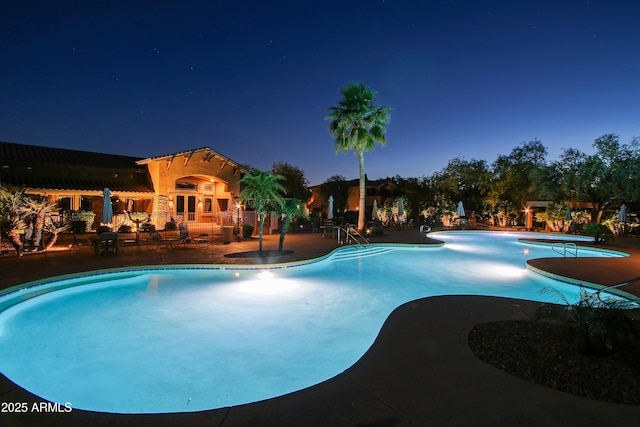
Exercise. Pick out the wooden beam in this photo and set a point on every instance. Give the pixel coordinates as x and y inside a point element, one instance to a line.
<point>170,161</point>
<point>187,158</point>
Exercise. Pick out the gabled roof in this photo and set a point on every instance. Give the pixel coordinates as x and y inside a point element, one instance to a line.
<point>208,152</point>
<point>47,168</point>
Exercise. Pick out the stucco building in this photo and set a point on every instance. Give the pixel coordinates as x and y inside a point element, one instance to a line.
<point>197,186</point>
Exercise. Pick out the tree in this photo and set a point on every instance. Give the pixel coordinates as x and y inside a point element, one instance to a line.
<point>294,182</point>
<point>11,216</point>
<point>463,180</point>
<point>263,190</point>
<point>357,125</point>
<point>604,178</point>
<point>513,177</point>
<point>290,210</point>
<point>37,208</point>
<point>337,187</point>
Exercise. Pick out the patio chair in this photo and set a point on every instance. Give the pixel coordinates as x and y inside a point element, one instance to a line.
<point>184,234</point>
<point>107,242</point>
<point>156,239</point>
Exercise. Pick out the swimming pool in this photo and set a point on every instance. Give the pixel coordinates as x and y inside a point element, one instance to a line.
<point>190,338</point>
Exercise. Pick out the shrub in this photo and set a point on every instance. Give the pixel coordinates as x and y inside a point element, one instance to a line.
<point>247,230</point>
<point>599,231</point>
<point>600,323</point>
<point>81,220</point>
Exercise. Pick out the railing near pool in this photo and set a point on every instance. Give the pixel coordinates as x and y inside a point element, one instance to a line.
<point>566,247</point>
<point>351,235</point>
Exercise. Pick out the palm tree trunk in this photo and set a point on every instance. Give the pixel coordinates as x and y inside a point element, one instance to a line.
<point>260,224</point>
<point>37,231</point>
<point>361,205</point>
<point>52,242</point>
<point>14,239</point>
<point>284,228</point>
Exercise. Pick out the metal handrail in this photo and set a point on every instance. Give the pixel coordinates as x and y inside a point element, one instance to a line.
<point>351,234</point>
<point>564,248</point>
<point>619,285</point>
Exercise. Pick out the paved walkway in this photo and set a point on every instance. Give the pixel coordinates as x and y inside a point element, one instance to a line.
<point>419,372</point>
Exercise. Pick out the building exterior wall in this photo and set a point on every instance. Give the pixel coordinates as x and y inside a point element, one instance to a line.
<point>193,187</point>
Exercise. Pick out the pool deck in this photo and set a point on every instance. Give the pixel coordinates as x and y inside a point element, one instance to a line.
<point>419,372</point>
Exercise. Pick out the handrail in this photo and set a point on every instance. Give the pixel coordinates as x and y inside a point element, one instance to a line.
<point>564,248</point>
<point>351,234</point>
<point>619,285</point>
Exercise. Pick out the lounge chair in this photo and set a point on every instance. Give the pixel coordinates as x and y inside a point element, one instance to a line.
<point>157,239</point>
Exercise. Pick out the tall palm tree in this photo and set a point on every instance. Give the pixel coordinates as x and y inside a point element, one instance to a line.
<point>263,190</point>
<point>357,124</point>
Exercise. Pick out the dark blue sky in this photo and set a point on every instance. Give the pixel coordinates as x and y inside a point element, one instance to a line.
<point>253,79</point>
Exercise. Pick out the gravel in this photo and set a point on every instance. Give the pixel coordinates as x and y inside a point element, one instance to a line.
<point>546,354</point>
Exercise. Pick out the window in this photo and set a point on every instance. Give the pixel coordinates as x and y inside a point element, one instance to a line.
<point>186,186</point>
<point>85,203</point>
<point>64,203</point>
<point>207,205</point>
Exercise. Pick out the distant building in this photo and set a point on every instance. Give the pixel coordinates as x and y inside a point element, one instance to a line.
<point>380,190</point>
<point>188,186</point>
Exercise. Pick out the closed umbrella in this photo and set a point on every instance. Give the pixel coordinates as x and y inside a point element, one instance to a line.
<point>622,216</point>
<point>460,210</point>
<point>107,210</point>
<point>567,215</point>
<point>330,213</point>
<point>374,211</point>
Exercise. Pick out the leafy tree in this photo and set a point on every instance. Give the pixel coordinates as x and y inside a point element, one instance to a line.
<point>415,190</point>
<point>555,216</point>
<point>337,187</point>
<point>357,125</point>
<point>263,190</point>
<point>463,180</point>
<point>294,182</point>
<point>604,178</point>
<point>290,210</point>
<point>514,177</point>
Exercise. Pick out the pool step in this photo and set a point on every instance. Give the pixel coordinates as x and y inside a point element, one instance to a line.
<point>355,252</point>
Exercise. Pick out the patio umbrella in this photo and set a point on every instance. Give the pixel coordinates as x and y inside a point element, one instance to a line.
<point>107,210</point>
<point>622,216</point>
<point>400,207</point>
<point>330,213</point>
<point>374,211</point>
<point>567,215</point>
<point>460,210</point>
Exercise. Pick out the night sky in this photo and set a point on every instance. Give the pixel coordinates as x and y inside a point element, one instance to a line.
<point>253,79</point>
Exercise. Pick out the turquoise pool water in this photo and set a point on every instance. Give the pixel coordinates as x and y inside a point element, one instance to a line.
<point>189,339</point>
